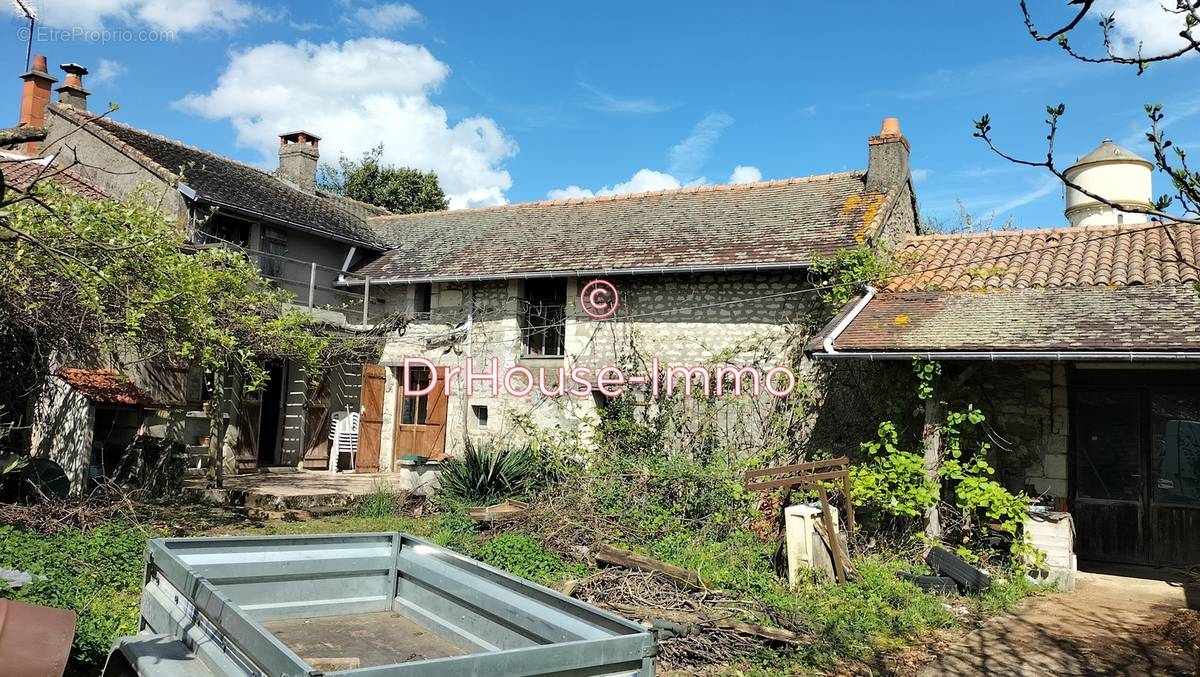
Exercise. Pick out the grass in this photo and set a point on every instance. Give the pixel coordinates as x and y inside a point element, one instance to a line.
<point>98,573</point>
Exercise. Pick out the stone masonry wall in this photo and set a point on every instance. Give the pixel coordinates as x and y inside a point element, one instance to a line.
<point>1026,403</point>
<point>674,318</point>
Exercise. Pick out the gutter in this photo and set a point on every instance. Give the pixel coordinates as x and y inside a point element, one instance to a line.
<point>1012,355</point>
<point>594,272</point>
<point>827,344</point>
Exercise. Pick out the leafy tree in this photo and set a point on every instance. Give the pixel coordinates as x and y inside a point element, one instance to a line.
<point>401,190</point>
<point>82,277</point>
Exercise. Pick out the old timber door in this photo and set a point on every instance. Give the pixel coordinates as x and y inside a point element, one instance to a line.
<point>370,424</point>
<point>421,419</point>
<point>1136,469</point>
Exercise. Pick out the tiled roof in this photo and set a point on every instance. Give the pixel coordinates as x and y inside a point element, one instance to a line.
<point>1117,288</point>
<point>1145,253</point>
<point>20,174</point>
<point>106,386</point>
<point>1138,318</point>
<point>232,184</point>
<point>773,222</point>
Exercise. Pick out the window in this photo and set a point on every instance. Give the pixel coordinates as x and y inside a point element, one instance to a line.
<point>481,415</point>
<point>544,317</point>
<point>415,407</point>
<point>423,300</point>
<point>220,229</point>
<point>274,246</point>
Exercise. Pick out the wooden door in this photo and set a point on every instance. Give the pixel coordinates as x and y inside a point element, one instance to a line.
<point>1109,487</point>
<point>421,420</point>
<point>1136,469</point>
<point>1174,446</point>
<point>370,424</point>
<point>249,410</point>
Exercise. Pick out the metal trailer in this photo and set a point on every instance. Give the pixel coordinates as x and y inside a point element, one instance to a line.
<point>360,605</point>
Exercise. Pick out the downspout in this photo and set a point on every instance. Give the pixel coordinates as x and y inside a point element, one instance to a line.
<point>841,326</point>
<point>470,334</point>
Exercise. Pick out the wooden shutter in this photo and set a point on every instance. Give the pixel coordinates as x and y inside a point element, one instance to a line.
<point>370,425</point>
<point>433,442</point>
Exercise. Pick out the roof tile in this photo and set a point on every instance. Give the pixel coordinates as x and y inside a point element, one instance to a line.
<point>773,222</point>
<point>230,183</point>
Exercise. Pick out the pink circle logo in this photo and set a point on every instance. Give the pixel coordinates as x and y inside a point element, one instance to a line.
<point>599,299</point>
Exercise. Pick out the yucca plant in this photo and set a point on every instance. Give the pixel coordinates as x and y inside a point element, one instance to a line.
<point>488,474</point>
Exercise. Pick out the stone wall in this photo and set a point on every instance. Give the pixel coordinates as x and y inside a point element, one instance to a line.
<point>685,320</point>
<point>1026,403</point>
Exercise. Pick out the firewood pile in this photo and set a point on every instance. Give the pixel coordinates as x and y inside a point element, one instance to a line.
<point>697,628</point>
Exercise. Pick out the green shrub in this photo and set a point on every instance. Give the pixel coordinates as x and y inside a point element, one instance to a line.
<point>523,556</point>
<point>455,529</point>
<point>858,619</point>
<point>97,574</point>
<point>489,474</point>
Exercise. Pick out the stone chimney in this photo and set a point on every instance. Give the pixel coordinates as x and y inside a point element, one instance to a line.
<point>887,158</point>
<point>298,158</point>
<point>35,96</point>
<point>72,92</point>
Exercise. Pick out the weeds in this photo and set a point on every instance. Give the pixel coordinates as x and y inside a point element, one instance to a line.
<point>523,556</point>
<point>97,574</point>
<point>381,502</point>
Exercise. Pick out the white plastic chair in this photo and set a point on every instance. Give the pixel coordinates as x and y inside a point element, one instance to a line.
<point>343,436</point>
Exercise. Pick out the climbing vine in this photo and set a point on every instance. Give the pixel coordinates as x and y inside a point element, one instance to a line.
<point>895,481</point>
<point>842,275</point>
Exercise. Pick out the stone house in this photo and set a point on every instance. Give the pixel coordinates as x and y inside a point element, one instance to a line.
<point>1081,344</point>
<point>302,238</point>
<point>712,275</point>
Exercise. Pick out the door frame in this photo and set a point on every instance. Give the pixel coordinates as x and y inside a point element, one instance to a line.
<point>437,407</point>
<point>1145,382</point>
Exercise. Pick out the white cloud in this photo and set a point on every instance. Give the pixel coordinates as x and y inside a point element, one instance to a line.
<point>1045,186</point>
<point>164,15</point>
<point>356,95</point>
<point>387,17</point>
<point>919,175</point>
<point>688,156</point>
<point>642,181</point>
<point>745,174</point>
<point>1145,22</point>
<point>107,71</point>
<point>649,180</point>
<point>603,101</point>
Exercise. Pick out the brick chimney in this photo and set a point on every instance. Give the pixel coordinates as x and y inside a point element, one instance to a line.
<point>887,158</point>
<point>35,96</point>
<point>298,158</point>
<point>72,92</point>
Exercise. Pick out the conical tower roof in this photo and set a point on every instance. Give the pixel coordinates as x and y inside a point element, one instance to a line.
<point>1109,151</point>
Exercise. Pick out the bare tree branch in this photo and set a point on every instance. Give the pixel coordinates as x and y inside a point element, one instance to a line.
<point>1188,12</point>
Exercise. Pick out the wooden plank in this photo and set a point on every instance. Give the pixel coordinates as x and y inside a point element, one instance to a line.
<point>370,424</point>
<point>799,479</point>
<point>839,566</point>
<point>693,619</point>
<point>632,560</point>
<point>433,436</point>
<point>849,503</point>
<point>799,467</point>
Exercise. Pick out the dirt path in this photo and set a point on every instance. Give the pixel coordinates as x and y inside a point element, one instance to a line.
<point>1108,626</point>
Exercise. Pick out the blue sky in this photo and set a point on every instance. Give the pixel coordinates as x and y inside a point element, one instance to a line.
<point>521,101</point>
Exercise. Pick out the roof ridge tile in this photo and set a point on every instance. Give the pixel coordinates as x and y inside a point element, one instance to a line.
<point>683,190</point>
